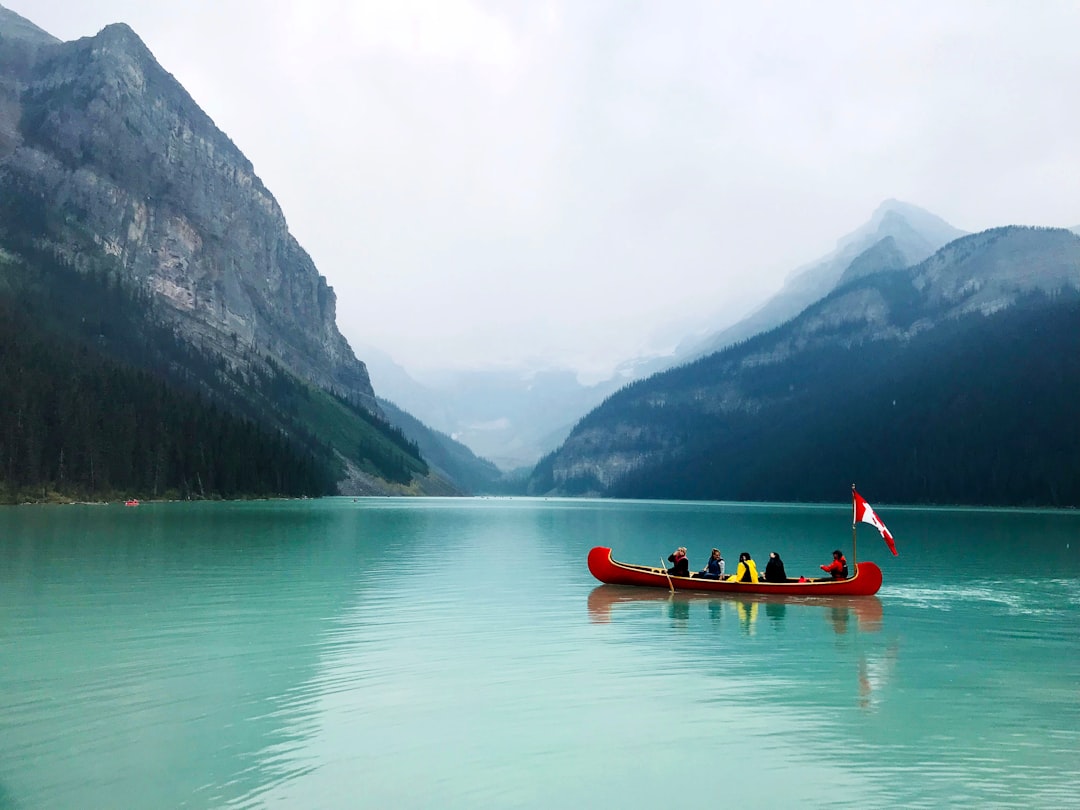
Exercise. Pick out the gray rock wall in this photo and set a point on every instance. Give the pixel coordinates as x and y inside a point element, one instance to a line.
<point>138,174</point>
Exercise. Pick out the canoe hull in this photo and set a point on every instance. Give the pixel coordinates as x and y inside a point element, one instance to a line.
<point>866,580</point>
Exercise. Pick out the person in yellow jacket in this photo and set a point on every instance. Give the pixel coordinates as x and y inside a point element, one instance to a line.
<point>747,570</point>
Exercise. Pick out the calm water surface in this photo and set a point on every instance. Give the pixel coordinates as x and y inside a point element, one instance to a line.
<point>392,653</point>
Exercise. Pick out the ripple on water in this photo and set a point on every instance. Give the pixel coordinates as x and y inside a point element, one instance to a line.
<point>1025,597</point>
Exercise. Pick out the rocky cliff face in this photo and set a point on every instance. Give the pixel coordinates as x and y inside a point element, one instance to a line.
<point>122,166</point>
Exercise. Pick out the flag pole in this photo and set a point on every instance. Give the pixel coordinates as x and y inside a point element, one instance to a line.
<point>854,554</point>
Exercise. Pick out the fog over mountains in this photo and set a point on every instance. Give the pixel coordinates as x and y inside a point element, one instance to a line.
<point>900,234</point>
<point>513,417</point>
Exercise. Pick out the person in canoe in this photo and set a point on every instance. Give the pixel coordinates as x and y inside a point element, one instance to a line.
<point>837,569</point>
<point>774,569</point>
<point>714,569</point>
<point>747,570</point>
<point>680,565</point>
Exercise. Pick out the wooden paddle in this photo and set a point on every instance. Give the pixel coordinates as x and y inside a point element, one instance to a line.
<point>663,567</point>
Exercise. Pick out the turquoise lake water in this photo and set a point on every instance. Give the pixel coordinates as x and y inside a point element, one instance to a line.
<point>405,653</point>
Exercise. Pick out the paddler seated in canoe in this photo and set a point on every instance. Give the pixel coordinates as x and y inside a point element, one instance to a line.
<point>747,570</point>
<point>681,565</point>
<point>837,569</point>
<point>714,569</point>
<point>774,569</point>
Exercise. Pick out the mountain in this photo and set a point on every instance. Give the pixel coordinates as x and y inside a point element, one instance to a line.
<point>511,417</point>
<point>950,381</point>
<point>120,160</point>
<point>911,234</point>
<point>449,458</point>
<point>109,170</point>
<point>22,36</point>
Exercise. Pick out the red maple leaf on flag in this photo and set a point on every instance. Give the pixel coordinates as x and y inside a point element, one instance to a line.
<point>865,514</point>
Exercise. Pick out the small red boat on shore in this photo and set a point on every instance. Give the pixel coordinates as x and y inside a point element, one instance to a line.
<point>865,581</point>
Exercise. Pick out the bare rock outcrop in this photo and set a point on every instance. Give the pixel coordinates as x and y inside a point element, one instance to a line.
<point>110,159</point>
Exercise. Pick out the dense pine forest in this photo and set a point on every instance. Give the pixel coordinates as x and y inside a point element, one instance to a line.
<point>102,400</point>
<point>979,410</point>
<point>78,425</point>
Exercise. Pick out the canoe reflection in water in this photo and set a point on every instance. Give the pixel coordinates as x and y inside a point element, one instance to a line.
<point>604,600</point>
<point>846,615</point>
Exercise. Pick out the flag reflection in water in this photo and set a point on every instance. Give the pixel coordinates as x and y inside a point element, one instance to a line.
<point>875,671</point>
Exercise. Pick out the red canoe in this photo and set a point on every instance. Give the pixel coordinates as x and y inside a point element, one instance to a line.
<point>865,582</point>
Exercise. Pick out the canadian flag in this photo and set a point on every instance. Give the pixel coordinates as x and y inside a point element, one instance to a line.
<point>864,513</point>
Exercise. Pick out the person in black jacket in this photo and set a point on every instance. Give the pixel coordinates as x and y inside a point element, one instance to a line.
<point>681,565</point>
<point>774,569</point>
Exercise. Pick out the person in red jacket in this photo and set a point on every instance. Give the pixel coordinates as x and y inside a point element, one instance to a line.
<point>838,567</point>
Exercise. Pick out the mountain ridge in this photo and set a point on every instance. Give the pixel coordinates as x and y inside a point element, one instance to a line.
<point>916,233</point>
<point>786,387</point>
<point>147,178</point>
<point>17,27</point>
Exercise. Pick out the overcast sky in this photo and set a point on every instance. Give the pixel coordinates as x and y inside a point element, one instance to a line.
<point>578,182</point>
